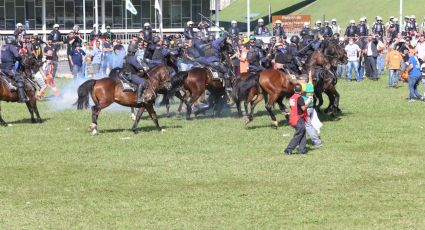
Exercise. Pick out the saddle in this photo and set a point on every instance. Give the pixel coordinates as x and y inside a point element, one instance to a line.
<point>11,84</point>
<point>216,75</point>
<point>126,85</point>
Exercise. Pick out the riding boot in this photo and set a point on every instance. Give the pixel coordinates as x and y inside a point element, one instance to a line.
<point>139,94</point>
<point>21,92</point>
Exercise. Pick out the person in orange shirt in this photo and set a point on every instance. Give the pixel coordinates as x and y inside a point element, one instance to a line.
<point>393,60</point>
<point>244,63</point>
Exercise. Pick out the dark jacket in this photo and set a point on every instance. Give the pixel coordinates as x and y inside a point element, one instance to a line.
<point>233,30</point>
<point>188,32</point>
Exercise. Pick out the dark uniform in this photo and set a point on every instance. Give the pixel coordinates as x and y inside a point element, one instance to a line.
<point>378,28</point>
<point>55,35</point>
<point>132,68</point>
<point>188,32</point>
<point>326,31</point>
<point>147,33</point>
<point>254,56</point>
<point>233,30</point>
<point>9,55</point>
<point>351,31</point>
<point>278,31</point>
<point>362,30</point>
<point>304,32</point>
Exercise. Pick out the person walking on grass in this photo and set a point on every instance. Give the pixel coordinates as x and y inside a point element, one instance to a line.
<point>413,67</point>
<point>393,60</point>
<point>311,112</point>
<point>297,119</point>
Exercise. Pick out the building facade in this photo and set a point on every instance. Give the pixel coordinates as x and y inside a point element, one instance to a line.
<point>68,13</point>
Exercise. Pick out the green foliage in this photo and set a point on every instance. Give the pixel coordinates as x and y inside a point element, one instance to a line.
<point>216,173</point>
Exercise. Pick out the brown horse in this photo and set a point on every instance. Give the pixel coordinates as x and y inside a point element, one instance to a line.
<point>106,91</point>
<point>247,89</point>
<point>12,96</point>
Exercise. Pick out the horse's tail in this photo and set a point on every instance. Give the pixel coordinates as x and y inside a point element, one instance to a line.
<point>84,91</point>
<point>241,90</point>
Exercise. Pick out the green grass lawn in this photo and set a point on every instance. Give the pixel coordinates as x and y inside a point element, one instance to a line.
<point>345,10</point>
<point>217,173</point>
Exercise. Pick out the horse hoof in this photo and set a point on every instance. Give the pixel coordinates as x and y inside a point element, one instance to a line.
<point>33,121</point>
<point>94,132</point>
<point>246,119</point>
<point>162,130</point>
<point>275,124</point>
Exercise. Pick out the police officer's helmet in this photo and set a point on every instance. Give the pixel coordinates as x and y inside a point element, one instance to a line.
<point>295,39</point>
<point>259,43</point>
<point>252,38</point>
<point>311,33</point>
<point>10,40</point>
<point>156,39</point>
<point>298,88</point>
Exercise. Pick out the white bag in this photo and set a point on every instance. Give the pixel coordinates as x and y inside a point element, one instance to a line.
<point>315,122</point>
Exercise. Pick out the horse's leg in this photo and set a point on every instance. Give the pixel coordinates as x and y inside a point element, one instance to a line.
<point>153,116</point>
<point>269,108</point>
<point>330,108</point>
<point>167,105</point>
<point>336,103</point>
<point>31,110</point>
<point>37,114</point>
<point>253,104</point>
<point>238,107</point>
<point>2,122</point>
<point>282,106</point>
<point>319,97</point>
<point>133,116</point>
<point>137,119</point>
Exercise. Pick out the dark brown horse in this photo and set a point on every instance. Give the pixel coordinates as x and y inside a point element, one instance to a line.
<point>106,91</point>
<point>197,80</point>
<point>12,95</point>
<point>246,89</point>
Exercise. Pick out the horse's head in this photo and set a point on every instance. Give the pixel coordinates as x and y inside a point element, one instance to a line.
<point>29,64</point>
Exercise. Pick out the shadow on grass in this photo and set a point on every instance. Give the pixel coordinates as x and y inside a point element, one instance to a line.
<point>27,121</point>
<point>150,128</point>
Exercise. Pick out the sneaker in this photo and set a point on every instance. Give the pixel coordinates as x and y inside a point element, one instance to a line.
<point>317,146</point>
<point>411,100</point>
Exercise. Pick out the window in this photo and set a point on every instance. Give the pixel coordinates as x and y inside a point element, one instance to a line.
<point>60,15</point>
<point>59,3</point>
<point>69,9</point>
<point>29,8</point>
<point>19,2</point>
<point>10,13</point>
<point>79,15</point>
<point>20,14</point>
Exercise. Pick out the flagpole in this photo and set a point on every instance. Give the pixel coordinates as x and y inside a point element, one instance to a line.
<point>126,35</point>
<point>160,20</point>
<point>84,19</point>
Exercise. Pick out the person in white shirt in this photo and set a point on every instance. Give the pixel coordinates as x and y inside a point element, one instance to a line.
<point>353,53</point>
<point>420,47</point>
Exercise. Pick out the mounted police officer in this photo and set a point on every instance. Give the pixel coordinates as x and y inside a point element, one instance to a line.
<point>188,30</point>
<point>278,29</point>
<point>411,26</point>
<point>55,34</point>
<point>261,29</point>
<point>161,50</point>
<point>296,60</point>
<point>335,27</point>
<point>305,31</point>
<point>133,71</point>
<point>9,55</point>
<point>233,29</point>
<point>147,32</point>
<point>351,29</point>
<point>19,33</point>
<point>362,28</point>
<point>212,56</point>
<point>326,30</point>
<point>378,27</point>
<point>254,56</point>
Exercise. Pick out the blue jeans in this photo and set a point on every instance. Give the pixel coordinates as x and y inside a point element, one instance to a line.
<point>77,72</point>
<point>380,64</point>
<point>106,62</point>
<point>393,73</point>
<point>339,71</point>
<point>413,87</point>
<point>350,66</point>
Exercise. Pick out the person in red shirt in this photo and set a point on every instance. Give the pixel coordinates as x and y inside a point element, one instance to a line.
<point>297,119</point>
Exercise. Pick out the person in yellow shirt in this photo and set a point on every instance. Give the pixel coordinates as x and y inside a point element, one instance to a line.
<point>393,61</point>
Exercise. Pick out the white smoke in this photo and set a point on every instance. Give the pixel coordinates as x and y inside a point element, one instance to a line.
<point>68,96</point>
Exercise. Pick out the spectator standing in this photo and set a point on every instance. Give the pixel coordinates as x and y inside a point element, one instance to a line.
<point>51,50</point>
<point>371,52</point>
<point>55,34</point>
<point>393,60</point>
<point>76,57</point>
<point>233,29</point>
<point>109,34</point>
<point>97,58</point>
<point>414,76</point>
<point>107,50</point>
<point>188,30</point>
<point>353,53</point>
<point>71,43</point>
<point>420,47</point>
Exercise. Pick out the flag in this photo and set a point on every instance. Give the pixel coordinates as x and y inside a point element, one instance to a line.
<point>158,8</point>
<point>129,6</point>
